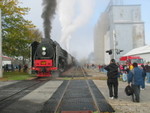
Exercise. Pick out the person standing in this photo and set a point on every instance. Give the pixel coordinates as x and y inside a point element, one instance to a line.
<point>144,75</point>
<point>147,68</point>
<point>135,80</point>
<point>25,68</point>
<point>19,67</point>
<point>112,79</point>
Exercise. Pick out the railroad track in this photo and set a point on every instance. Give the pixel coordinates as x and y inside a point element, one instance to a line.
<point>73,73</point>
<point>57,109</point>
<point>78,72</point>
<point>91,92</point>
<point>77,95</point>
<point>12,93</point>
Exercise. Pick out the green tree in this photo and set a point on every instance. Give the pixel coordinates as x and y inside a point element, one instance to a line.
<point>34,35</point>
<point>17,33</point>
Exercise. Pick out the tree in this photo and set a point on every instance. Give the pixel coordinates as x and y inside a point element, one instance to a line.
<point>34,35</point>
<point>17,33</point>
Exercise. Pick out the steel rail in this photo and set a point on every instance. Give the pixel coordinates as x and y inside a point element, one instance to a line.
<point>9,98</point>
<point>75,72</point>
<point>92,94</point>
<point>18,92</point>
<point>21,90</point>
<point>61,98</point>
<point>30,86</point>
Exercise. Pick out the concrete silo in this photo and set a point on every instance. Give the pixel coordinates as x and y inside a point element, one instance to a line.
<point>118,28</point>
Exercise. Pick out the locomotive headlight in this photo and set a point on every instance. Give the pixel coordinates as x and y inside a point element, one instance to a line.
<point>43,53</point>
<point>43,48</point>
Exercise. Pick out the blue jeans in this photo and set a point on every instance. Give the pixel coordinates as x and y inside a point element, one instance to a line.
<point>143,83</point>
<point>148,77</point>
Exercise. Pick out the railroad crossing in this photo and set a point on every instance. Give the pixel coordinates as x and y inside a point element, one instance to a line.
<point>83,94</point>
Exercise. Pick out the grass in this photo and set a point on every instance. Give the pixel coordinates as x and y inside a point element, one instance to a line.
<point>15,76</point>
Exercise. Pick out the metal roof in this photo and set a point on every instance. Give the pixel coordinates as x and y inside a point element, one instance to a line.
<point>140,50</point>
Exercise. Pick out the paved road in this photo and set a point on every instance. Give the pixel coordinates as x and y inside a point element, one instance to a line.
<point>123,104</point>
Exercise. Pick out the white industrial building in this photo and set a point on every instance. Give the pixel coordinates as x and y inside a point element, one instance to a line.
<point>118,28</point>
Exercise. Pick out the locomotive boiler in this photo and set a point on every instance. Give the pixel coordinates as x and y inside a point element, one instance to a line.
<point>48,56</point>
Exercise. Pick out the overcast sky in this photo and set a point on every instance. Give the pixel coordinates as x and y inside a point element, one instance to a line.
<point>81,33</point>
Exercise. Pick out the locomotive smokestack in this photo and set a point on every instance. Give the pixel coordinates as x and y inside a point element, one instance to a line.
<point>47,15</point>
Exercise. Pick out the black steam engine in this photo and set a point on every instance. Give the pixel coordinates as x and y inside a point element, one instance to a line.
<point>48,56</point>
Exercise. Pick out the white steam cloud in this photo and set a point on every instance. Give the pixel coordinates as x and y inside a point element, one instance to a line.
<point>72,15</point>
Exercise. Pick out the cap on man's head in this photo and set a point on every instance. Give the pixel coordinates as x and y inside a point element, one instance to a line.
<point>113,60</point>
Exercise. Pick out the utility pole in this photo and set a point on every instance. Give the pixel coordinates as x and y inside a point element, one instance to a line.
<point>114,40</point>
<point>1,71</point>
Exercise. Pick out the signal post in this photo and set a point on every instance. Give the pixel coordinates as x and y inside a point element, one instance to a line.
<point>1,73</point>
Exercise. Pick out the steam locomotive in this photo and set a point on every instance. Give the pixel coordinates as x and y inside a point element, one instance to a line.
<point>48,56</point>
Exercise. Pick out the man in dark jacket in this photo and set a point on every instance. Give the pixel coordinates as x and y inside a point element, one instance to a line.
<point>135,79</point>
<point>112,79</point>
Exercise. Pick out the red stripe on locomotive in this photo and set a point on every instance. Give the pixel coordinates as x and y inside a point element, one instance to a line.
<point>47,65</point>
<point>43,63</point>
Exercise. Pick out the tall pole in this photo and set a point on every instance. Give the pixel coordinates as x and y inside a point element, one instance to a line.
<point>1,73</point>
<point>114,40</point>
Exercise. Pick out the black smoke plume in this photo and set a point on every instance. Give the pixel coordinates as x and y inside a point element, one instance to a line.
<point>47,15</point>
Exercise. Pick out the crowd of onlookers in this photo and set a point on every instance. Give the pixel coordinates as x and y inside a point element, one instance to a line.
<point>124,70</point>
<point>12,67</point>
<point>134,74</point>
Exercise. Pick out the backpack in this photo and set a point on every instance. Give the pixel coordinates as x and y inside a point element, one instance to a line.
<point>128,90</point>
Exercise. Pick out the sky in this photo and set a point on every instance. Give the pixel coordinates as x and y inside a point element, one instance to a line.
<point>76,20</point>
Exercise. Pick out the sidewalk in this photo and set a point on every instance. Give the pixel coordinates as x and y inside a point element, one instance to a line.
<point>123,104</point>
